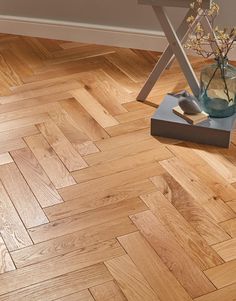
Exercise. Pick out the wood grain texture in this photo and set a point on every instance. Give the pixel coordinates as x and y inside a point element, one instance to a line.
<point>222,275</point>
<point>62,147</point>
<point>131,281</point>
<point>151,266</point>
<point>12,229</point>
<point>108,291</point>
<point>167,247</point>
<point>86,219</point>
<point>49,161</point>
<point>6,263</point>
<point>92,207</point>
<point>70,262</point>
<point>21,196</point>
<point>61,286</point>
<point>196,247</point>
<point>36,177</point>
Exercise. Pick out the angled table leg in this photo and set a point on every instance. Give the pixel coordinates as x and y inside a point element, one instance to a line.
<point>168,55</point>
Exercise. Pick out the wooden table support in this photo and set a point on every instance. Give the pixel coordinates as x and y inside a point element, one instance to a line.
<point>176,40</point>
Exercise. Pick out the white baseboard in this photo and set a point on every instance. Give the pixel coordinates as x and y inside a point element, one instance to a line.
<point>87,33</point>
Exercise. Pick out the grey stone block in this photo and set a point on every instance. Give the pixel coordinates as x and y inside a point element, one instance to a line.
<point>214,131</point>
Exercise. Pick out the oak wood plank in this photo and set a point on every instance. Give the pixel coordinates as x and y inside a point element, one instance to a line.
<point>131,281</point>
<point>128,150</point>
<point>5,158</point>
<point>6,263</point>
<point>226,293</point>
<point>94,108</point>
<point>36,177</point>
<point>151,266</point>
<point>71,130</point>
<point>86,219</point>
<point>49,161</point>
<point>230,227</point>
<point>12,229</point>
<point>108,291</point>
<point>62,147</point>
<point>190,209</point>
<point>198,189</point>
<point>111,181</point>
<point>226,249</point>
<point>64,264</point>
<point>214,180</point>
<point>83,120</point>
<point>194,245</point>
<point>167,247</point>
<point>101,199</point>
<point>121,140</point>
<point>81,296</point>
<point>61,286</point>
<point>74,241</point>
<point>21,196</point>
<point>222,275</point>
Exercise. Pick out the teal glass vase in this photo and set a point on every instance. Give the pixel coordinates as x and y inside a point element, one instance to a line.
<point>218,89</point>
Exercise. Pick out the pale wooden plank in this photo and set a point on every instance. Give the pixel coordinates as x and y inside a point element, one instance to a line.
<point>21,196</point>
<point>47,158</point>
<point>111,181</point>
<point>6,263</point>
<point>128,127</point>
<point>62,147</point>
<point>80,296</point>
<point>198,189</point>
<point>126,161</point>
<point>134,66</point>
<point>131,281</point>
<point>36,177</point>
<point>61,286</point>
<point>86,219</point>
<point>218,162</point>
<point>226,249</point>
<point>67,263</point>
<point>230,227</point>
<point>125,139</point>
<point>80,141</point>
<point>184,269</point>
<point>151,266</point>
<point>194,245</point>
<point>214,180</point>
<point>108,291</point>
<point>94,108</point>
<point>10,145</point>
<point>227,293</point>
<point>12,229</point>
<point>83,120</point>
<point>134,115</point>
<point>222,275</point>
<point>18,133</point>
<point>23,122</point>
<point>51,88</point>
<point>105,90</point>
<point>5,158</point>
<point>128,150</point>
<point>74,241</point>
<point>101,199</point>
<point>190,209</point>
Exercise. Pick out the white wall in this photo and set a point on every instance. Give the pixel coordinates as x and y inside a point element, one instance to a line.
<point>124,13</point>
<point>114,22</point>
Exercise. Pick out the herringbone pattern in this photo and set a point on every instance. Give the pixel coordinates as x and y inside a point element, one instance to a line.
<point>92,207</point>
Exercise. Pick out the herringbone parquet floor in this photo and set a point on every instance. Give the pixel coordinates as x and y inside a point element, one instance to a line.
<point>91,206</point>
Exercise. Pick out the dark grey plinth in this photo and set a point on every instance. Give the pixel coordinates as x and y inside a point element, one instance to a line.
<point>214,131</point>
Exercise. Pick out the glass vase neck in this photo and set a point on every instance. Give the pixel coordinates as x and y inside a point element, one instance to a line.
<point>222,61</point>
